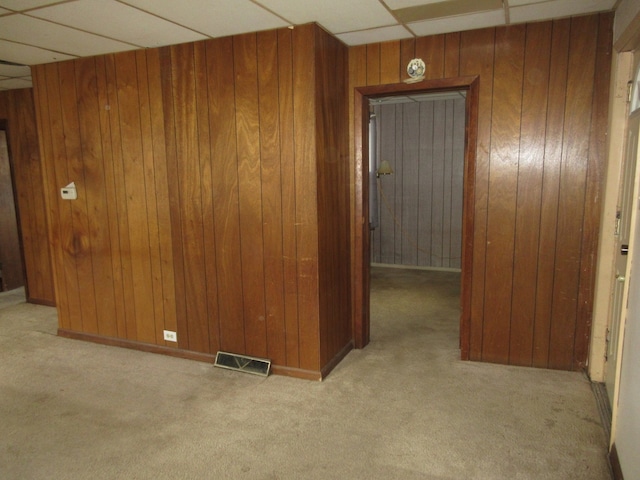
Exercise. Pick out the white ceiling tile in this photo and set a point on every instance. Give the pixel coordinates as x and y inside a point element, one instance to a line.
<point>383,34</point>
<point>15,83</point>
<point>353,14</point>
<point>397,4</point>
<point>118,21</point>
<point>19,5</point>
<point>556,9</point>
<point>514,3</point>
<point>458,23</point>
<point>14,70</point>
<point>218,18</point>
<point>39,33</point>
<point>25,54</point>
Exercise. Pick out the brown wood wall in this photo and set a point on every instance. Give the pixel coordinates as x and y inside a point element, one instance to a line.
<point>200,171</point>
<point>538,182</point>
<point>18,115</point>
<point>420,205</point>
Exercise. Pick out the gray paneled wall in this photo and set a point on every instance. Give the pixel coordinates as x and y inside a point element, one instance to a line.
<point>420,205</point>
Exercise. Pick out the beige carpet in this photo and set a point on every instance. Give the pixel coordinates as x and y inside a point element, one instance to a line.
<point>403,408</point>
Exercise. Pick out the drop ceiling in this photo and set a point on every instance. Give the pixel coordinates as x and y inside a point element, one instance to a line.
<point>44,31</point>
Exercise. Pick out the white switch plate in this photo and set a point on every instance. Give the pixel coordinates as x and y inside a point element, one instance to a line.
<point>170,336</point>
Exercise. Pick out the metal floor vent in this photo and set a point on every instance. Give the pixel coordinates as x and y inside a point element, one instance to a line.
<point>243,363</point>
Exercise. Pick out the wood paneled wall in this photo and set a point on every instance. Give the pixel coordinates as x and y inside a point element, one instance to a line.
<point>18,114</point>
<point>420,205</point>
<point>206,174</point>
<point>540,160</point>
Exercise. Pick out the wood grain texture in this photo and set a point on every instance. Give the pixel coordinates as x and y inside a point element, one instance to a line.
<point>537,180</point>
<point>199,190</point>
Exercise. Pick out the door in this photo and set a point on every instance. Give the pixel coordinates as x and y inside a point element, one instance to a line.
<point>11,271</point>
<point>623,232</point>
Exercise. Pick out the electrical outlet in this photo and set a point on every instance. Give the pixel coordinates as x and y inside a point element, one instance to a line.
<point>170,336</point>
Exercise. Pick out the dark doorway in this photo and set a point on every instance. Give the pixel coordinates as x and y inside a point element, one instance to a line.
<point>11,262</point>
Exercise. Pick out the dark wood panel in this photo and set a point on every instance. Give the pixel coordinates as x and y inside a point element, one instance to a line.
<point>249,181</point>
<point>225,193</point>
<point>19,118</point>
<point>389,59</point>
<point>11,274</point>
<point>550,192</point>
<point>505,134</point>
<point>530,175</point>
<point>304,102</point>
<point>193,327</point>
<point>572,188</point>
<point>270,171</point>
<point>477,58</point>
<point>539,162</point>
<point>93,186</point>
<point>287,169</point>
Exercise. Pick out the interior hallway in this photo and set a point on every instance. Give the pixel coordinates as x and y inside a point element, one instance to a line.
<point>404,407</point>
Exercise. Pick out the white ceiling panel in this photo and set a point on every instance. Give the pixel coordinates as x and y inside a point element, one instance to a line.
<point>354,14</point>
<point>12,83</point>
<point>556,9</point>
<point>20,5</point>
<point>397,4</point>
<point>118,21</point>
<point>218,18</point>
<point>14,71</point>
<point>55,30</point>
<point>366,36</point>
<point>453,24</point>
<point>39,33</point>
<point>28,55</point>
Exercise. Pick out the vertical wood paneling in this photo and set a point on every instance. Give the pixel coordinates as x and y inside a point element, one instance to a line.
<point>533,130</point>
<point>389,59</point>
<point>580,77</point>
<point>225,193</point>
<point>477,49</point>
<point>288,178</point>
<point>425,178</point>
<point>272,195</point>
<point>410,186</point>
<point>505,134</point>
<point>304,99</point>
<point>156,112</point>
<point>98,231</point>
<point>193,329</point>
<point>550,190</point>
<point>249,182</point>
<point>17,112</point>
<point>199,190</point>
<point>543,92</point>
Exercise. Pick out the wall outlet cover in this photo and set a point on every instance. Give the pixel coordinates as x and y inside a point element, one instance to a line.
<point>170,336</point>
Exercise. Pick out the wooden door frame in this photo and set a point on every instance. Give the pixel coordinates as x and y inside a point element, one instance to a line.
<point>361,261</point>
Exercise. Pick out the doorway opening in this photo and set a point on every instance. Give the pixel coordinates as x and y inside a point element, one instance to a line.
<point>12,270</point>
<point>365,97</point>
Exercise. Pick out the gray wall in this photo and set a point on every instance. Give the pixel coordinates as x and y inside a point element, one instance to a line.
<point>420,205</point>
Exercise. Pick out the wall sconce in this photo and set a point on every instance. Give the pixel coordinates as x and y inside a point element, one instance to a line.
<point>384,169</point>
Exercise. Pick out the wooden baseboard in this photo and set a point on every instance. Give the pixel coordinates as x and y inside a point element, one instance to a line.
<point>39,301</point>
<point>615,463</point>
<point>202,357</point>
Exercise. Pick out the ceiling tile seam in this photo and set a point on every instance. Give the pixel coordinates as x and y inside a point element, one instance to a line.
<point>272,12</point>
<point>507,12</point>
<point>40,48</point>
<point>404,25</point>
<point>82,30</point>
<point>123,2</point>
<point>55,4</point>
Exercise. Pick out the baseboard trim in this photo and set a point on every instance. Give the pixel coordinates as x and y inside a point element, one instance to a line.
<point>337,359</point>
<point>614,461</point>
<point>40,301</point>
<point>201,357</point>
